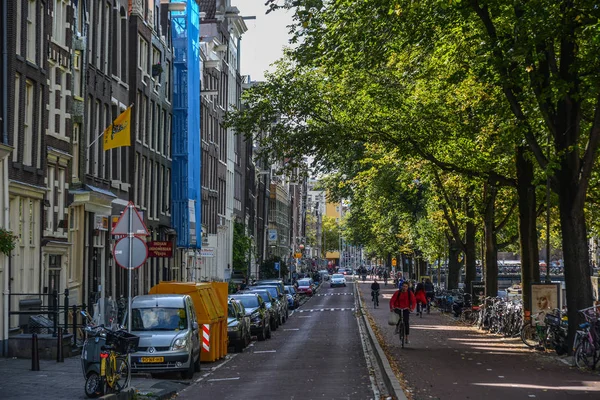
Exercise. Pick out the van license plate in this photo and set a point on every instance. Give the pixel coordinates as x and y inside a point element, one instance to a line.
<point>152,359</point>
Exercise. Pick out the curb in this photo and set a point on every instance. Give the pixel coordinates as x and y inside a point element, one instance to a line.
<point>126,394</point>
<point>389,378</point>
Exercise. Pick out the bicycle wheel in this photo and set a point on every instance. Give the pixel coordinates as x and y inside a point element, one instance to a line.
<point>401,333</point>
<point>529,336</point>
<point>584,354</point>
<point>119,378</point>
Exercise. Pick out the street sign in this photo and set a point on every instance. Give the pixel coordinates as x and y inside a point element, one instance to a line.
<point>297,255</point>
<point>137,224</point>
<point>139,252</point>
<point>393,262</point>
<point>272,235</point>
<point>276,266</point>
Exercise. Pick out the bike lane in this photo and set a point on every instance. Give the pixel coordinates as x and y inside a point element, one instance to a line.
<point>447,360</point>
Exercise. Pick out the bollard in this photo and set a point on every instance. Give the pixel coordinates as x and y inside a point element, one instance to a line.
<point>35,356</point>
<point>59,350</point>
<point>74,329</point>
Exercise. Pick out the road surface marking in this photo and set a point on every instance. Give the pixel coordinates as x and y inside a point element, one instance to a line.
<point>265,351</point>
<point>223,379</point>
<point>292,329</point>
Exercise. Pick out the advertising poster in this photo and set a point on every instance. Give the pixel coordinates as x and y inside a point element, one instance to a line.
<point>544,299</point>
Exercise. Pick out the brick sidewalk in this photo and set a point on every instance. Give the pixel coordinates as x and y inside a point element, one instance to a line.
<point>58,381</point>
<point>446,360</point>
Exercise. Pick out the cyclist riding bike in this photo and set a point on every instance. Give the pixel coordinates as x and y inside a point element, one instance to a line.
<point>375,292</point>
<point>429,293</point>
<point>404,301</point>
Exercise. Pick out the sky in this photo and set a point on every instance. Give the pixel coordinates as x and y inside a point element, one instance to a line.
<point>262,44</point>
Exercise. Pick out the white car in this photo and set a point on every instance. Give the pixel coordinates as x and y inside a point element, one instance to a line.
<point>337,280</point>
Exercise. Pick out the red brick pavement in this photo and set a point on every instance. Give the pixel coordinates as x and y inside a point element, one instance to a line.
<point>447,360</point>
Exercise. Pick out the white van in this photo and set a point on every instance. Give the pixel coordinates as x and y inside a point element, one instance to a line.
<point>168,331</point>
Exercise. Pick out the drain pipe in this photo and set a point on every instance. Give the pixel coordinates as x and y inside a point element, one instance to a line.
<point>4,72</point>
<point>4,86</point>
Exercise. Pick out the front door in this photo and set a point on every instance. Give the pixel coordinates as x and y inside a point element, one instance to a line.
<point>54,263</point>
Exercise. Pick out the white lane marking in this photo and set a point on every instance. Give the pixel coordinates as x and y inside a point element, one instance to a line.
<point>223,379</point>
<point>213,369</point>
<point>265,351</point>
<point>305,316</point>
<point>292,329</point>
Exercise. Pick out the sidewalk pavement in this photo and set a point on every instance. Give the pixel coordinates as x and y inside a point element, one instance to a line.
<point>447,360</point>
<point>65,381</point>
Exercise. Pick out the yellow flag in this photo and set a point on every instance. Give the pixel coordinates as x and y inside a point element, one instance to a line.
<point>118,134</point>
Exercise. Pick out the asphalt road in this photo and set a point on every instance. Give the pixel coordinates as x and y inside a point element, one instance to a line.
<point>316,354</point>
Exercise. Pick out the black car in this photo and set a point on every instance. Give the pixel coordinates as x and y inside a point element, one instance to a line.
<point>277,292</point>
<point>272,305</point>
<point>293,297</point>
<point>256,309</point>
<point>238,325</point>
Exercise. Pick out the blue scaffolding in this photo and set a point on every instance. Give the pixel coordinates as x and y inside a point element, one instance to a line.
<point>187,163</point>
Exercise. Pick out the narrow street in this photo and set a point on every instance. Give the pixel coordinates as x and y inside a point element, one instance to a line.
<point>447,360</point>
<point>316,354</point>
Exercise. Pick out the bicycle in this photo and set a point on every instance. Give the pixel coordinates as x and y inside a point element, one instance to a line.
<point>375,298</point>
<point>534,333</point>
<point>400,326</point>
<point>586,346</point>
<point>114,371</point>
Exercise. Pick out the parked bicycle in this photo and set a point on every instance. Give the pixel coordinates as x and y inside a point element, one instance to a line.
<point>112,374</point>
<point>586,346</point>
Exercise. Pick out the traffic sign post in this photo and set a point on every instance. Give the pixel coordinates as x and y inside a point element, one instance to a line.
<point>131,224</point>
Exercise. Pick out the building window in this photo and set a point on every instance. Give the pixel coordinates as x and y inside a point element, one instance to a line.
<point>142,198</point>
<point>168,192</point>
<point>60,213</point>
<point>136,181</point>
<point>77,77</point>
<point>75,162</point>
<point>88,147</point>
<point>59,22</point>
<point>162,189</point>
<point>150,128</point>
<point>50,196</point>
<point>167,80</point>
<point>106,36</point>
<point>143,56</point>
<point>167,133</point>
<point>28,124</point>
<point>52,91</point>
<point>144,119</point>
<point>31,29</point>
<point>123,49</point>
<point>18,26</point>
<point>40,131</point>
<point>155,190</point>
<point>16,114</point>
<point>96,148</point>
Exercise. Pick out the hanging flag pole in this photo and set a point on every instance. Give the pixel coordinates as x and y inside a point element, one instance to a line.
<point>119,131</point>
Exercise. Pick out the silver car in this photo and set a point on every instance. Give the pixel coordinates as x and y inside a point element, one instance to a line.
<point>169,335</point>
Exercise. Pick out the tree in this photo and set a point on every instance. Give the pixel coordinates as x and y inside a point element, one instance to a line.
<point>242,246</point>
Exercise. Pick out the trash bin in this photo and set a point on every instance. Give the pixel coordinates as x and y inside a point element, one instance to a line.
<point>40,324</point>
<point>208,311</point>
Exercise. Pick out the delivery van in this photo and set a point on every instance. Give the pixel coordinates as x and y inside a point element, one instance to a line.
<point>168,331</point>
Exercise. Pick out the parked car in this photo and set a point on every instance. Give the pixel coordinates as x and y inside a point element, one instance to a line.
<point>324,275</point>
<point>238,325</point>
<point>169,334</point>
<point>259,315</point>
<point>337,280</point>
<point>279,293</point>
<point>293,297</point>
<point>273,305</point>
<point>305,287</point>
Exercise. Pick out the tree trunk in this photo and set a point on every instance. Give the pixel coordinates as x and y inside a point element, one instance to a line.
<point>491,248</point>
<point>453,264</point>
<point>530,268</point>
<point>575,251</point>
<point>470,252</point>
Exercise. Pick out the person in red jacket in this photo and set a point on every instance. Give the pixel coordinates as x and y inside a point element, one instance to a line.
<point>405,301</point>
<point>421,297</point>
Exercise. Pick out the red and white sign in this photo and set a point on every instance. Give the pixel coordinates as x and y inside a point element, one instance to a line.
<point>205,337</point>
<point>137,227</point>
